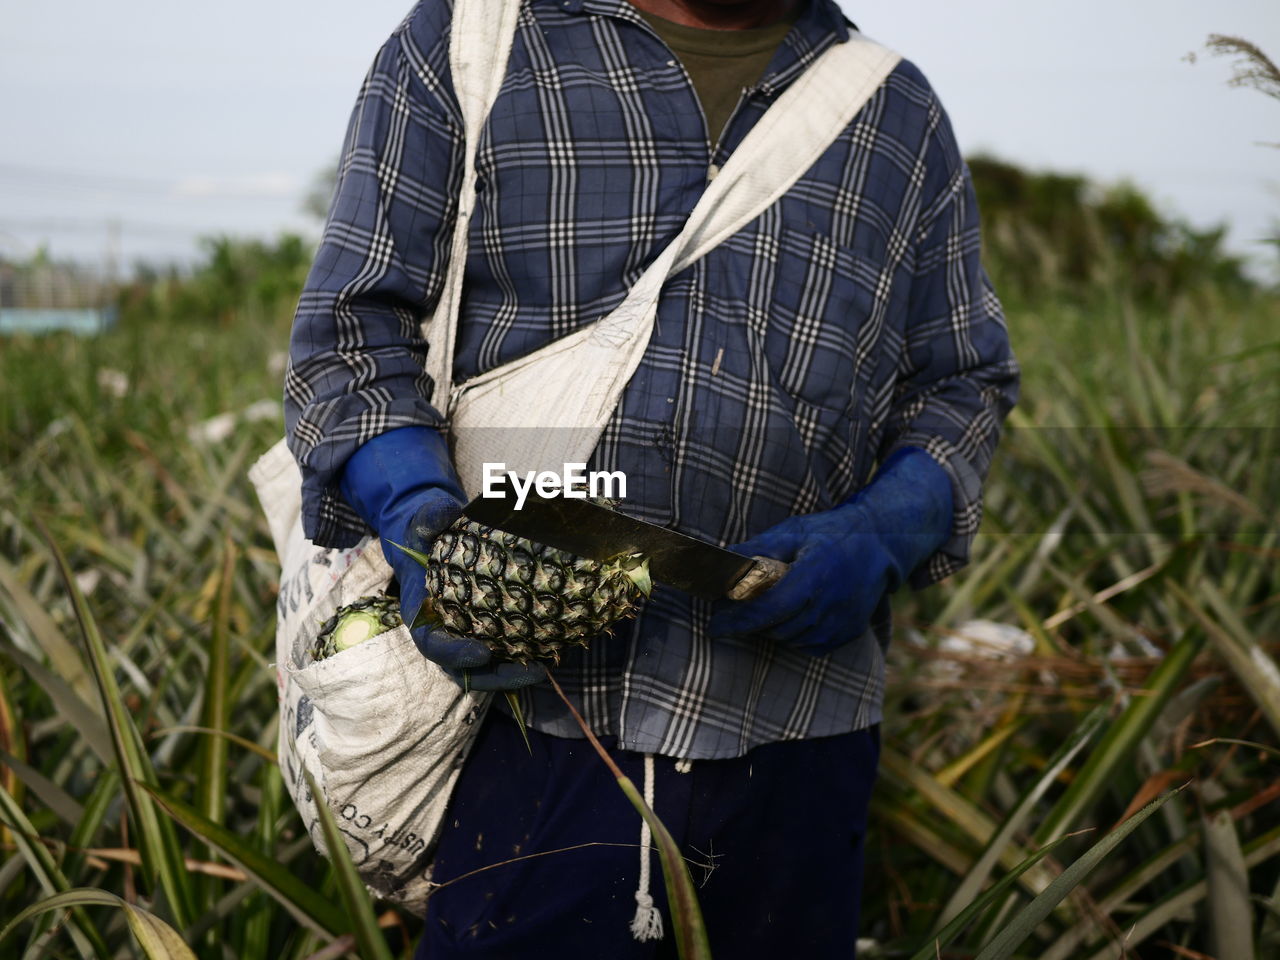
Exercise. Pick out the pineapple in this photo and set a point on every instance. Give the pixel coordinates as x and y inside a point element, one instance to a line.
<point>355,623</point>
<point>526,601</point>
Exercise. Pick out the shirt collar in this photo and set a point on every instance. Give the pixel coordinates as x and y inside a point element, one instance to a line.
<point>819,25</point>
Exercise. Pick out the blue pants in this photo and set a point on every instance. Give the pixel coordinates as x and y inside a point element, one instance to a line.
<point>774,840</point>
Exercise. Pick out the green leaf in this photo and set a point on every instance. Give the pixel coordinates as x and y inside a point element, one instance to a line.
<point>211,781</point>
<point>257,928</point>
<point>513,701</point>
<point>162,859</point>
<point>53,796</point>
<point>85,833</point>
<point>920,831</point>
<point>951,807</point>
<point>211,773</point>
<point>418,555</point>
<point>1230,909</point>
<point>303,903</point>
<point>243,742</point>
<point>158,940</point>
<point>1182,705</point>
<point>1029,917</point>
<point>686,915</point>
<point>682,898</point>
<point>1066,947</point>
<point>972,821</point>
<point>369,938</point>
<point>1251,744</point>
<point>1254,668</point>
<point>49,639</point>
<point>1120,740</point>
<point>981,870</point>
<point>962,919</point>
<point>1269,935</point>
<point>77,713</point>
<point>1256,851</point>
<point>41,863</point>
<point>1115,748</point>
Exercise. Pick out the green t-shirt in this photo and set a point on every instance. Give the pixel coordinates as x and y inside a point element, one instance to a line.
<point>721,63</point>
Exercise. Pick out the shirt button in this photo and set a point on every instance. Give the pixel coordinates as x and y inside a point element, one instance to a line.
<point>712,171</point>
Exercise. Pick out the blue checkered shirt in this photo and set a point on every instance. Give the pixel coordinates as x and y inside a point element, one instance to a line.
<point>850,318</point>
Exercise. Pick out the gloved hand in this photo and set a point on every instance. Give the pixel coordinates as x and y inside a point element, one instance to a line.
<point>844,560</point>
<point>402,484</point>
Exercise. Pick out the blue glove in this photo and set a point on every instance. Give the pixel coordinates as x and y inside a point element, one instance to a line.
<point>845,560</point>
<point>402,484</point>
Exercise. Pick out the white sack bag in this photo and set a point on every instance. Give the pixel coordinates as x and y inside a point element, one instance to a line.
<point>382,729</point>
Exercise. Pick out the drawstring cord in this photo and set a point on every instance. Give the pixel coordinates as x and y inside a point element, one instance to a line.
<point>647,923</point>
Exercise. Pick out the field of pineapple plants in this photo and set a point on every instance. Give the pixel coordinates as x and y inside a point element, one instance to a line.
<point>1082,752</point>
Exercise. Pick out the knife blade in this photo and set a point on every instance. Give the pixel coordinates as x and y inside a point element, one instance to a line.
<point>590,530</point>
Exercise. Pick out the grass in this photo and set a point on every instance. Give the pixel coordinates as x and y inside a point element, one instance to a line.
<point>1130,543</point>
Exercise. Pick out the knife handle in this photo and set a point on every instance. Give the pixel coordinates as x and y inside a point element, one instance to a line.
<point>766,572</point>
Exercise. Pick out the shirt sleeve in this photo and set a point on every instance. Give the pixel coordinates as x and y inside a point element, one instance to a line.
<point>357,354</point>
<point>957,376</point>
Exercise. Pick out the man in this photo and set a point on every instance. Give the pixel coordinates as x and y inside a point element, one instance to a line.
<point>825,387</point>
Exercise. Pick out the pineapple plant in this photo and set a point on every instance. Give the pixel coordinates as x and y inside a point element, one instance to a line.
<point>526,601</point>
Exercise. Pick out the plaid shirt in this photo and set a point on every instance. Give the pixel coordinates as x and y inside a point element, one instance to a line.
<point>850,318</point>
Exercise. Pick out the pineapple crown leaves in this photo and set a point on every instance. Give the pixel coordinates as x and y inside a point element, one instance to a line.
<point>417,555</point>
<point>426,615</point>
<point>635,566</point>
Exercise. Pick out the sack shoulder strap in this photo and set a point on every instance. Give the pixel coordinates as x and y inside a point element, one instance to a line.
<point>479,45</point>
<point>796,129</point>
<point>793,133</point>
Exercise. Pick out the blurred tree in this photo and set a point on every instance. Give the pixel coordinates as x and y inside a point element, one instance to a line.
<point>1059,234</point>
<point>320,195</point>
<point>237,277</point>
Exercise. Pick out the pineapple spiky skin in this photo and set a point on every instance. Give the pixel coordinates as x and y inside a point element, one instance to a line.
<point>526,601</point>
<point>355,623</point>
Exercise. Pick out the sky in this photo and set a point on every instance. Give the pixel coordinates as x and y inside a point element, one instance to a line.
<point>177,120</point>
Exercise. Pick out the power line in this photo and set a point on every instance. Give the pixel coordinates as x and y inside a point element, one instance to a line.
<point>173,188</point>
<point>77,224</point>
<point>62,176</point>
